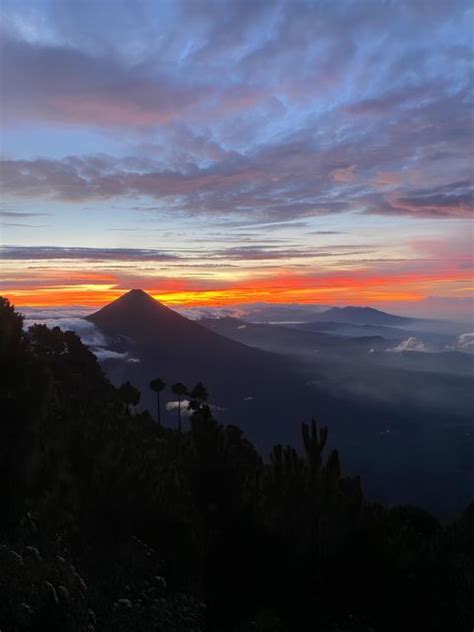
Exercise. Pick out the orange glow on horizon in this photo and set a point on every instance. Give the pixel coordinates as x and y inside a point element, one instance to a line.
<point>357,289</point>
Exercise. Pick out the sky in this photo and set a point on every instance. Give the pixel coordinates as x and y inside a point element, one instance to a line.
<point>220,153</point>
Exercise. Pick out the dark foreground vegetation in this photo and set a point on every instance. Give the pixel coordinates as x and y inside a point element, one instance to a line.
<point>110,521</point>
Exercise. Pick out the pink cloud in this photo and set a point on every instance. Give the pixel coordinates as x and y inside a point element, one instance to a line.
<point>387,179</point>
<point>343,176</point>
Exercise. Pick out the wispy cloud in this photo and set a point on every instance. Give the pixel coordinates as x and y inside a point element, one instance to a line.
<point>217,150</point>
<point>410,344</point>
<point>73,320</point>
<point>49,253</point>
<point>21,214</point>
<point>19,225</point>
<point>278,135</point>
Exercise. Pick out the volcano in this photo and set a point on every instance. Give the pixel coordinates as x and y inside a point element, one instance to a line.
<point>248,386</point>
<point>139,321</point>
<point>268,395</point>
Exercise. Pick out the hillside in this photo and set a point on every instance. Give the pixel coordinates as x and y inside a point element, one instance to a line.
<point>111,522</point>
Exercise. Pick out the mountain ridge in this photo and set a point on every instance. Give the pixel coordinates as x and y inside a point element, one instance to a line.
<point>362,316</point>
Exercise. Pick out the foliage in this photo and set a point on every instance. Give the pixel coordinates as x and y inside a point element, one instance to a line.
<point>157,385</point>
<point>157,521</point>
<point>180,390</point>
<point>41,593</point>
<point>129,394</point>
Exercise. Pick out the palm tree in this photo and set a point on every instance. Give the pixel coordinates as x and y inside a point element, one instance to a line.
<point>129,394</point>
<point>180,390</point>
<point>157,385</point>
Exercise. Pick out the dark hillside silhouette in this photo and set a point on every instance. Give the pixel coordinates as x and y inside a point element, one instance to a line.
<point>111,522</point>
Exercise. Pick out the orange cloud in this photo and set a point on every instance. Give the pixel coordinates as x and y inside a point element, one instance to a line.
<point>357,287</point>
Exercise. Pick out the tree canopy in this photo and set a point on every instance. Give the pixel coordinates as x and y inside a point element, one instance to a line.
<point>111,521</point>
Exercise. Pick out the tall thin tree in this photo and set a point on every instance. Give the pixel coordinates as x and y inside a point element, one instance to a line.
<point>179,389</point>
<point>157,385</point>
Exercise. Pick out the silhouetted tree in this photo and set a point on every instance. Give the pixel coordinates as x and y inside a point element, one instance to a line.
<point>11,328</point>
<point>180,390</point>
<point>288,544</point>
<point>157,385</point>
<point>198,397</point>
<point>199,392</point>
<point>129,394</point>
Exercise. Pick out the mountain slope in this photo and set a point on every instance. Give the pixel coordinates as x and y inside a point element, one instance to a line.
<point>241,380</point>
<point>290,339</point>
<point>138,316</point>
<point>362,316</point>
<point>173,346</point>
<point>395,427</point>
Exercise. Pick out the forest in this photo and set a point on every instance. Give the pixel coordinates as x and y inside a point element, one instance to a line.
<point>113,521</point>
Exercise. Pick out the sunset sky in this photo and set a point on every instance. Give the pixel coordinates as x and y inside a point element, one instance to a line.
<point>227,152</point>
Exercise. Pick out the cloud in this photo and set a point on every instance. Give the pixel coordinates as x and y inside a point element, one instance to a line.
<point>73,320</point>
<point>274,252</point>
<point>257,109</point>
<point>67,320</point>
<point>67,85</point>
<point>107,354</point>
<point>256,252</point>
<point>18,225</point>
<point>21,214</point>
<point>410,344</point>
<point>173,406</point>
<point>253,116</point>
<point>465,342</point>
<point>257,312</point>
<point>453,200</point>
<point>49,253</point>
<point>286,182</point>
<point>344,175</point>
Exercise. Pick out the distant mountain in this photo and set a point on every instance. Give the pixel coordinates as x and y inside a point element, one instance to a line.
<point>243,382</point>
<point>173,346</point>
<point>297,340</point>
<point>352,330</point>
<point>139,316</point>
<point>374,409</point>
<point>361,316</point>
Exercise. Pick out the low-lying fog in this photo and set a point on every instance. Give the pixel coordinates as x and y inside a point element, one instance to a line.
<point>398,399</point>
